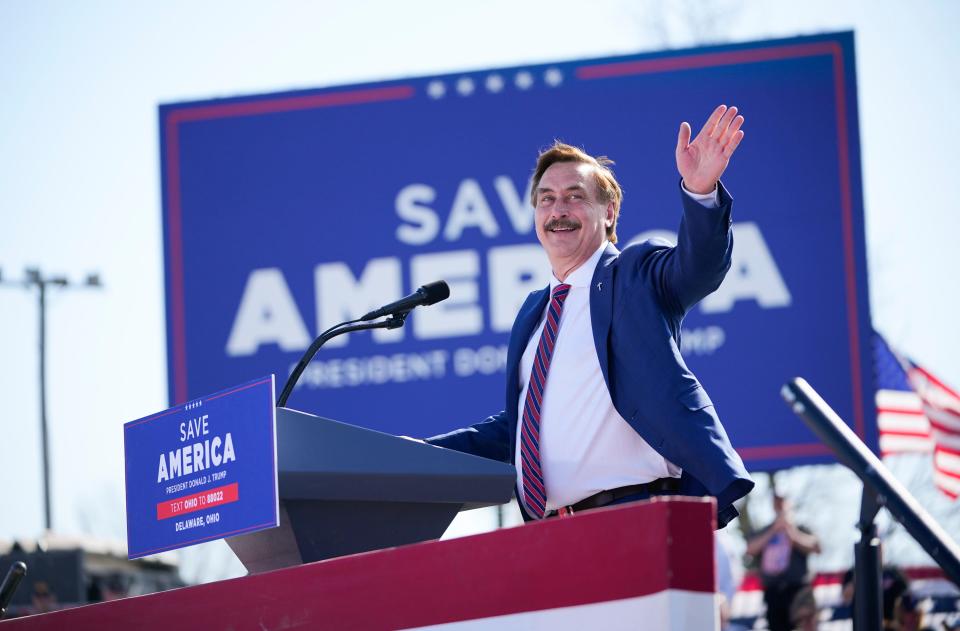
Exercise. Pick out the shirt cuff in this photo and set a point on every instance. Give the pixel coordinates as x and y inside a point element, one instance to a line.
<point>710,200</point>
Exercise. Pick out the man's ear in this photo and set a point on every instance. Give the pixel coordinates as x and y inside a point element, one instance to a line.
<point>610,214</point>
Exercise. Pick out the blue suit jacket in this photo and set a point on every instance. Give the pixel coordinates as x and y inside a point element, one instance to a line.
<point>638,299</point>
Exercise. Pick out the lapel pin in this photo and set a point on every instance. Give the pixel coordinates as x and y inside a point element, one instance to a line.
<point>599,285</point>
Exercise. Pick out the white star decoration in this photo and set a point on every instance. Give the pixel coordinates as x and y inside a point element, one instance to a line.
<point>494,83</point>
<point>523,80</point>
<point>465,86</point>
<point>436,89</point>
<point>553,77</point>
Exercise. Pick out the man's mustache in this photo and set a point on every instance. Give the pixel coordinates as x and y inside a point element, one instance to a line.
<point>561,223</point>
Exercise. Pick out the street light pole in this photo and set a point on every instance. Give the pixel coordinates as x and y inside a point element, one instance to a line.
<point>33,277</point>
<point>44,437</point>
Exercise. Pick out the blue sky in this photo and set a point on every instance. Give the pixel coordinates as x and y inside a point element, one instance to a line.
<point>79,173</point>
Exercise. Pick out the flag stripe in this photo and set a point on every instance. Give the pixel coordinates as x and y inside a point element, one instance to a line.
<point>948,450</point>
<point>947,484</point>
<point>891,445</point>
<point>901,423</point>
<point>946,441</point>
<point>902,399</point>
<point>896,433</point>
<point>943,420</point>
<point>900,411</point>
<point>937,382</point>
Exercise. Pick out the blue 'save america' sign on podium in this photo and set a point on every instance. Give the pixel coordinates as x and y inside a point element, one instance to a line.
<point>203,470</point>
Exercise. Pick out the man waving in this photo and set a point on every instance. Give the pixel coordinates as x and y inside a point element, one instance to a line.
<point>600,406</point>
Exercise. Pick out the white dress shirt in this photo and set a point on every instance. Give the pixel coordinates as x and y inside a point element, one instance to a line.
<point>585,445</point>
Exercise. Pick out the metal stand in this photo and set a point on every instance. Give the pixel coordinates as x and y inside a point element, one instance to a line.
<point>880,488</point>
<point>868,583</point>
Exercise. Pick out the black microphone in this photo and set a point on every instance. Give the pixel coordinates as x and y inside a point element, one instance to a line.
<point>427,295</point>
<point>17,571</point>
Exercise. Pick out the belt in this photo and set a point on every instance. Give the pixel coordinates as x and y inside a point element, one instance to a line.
<point>604,498</point>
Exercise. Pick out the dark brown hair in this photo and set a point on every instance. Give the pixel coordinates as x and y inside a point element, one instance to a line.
<point>608,190</point>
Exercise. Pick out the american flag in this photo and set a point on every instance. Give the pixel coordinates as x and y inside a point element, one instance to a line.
<point>917,413</point>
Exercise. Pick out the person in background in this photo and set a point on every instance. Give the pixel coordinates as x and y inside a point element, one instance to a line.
<point>908,613</point>
<point>43,599</point>
<point>894,584</point>
<point>116,587</point>
<point>783,548</point>
<point>729,576</point>
<point>803,610</point>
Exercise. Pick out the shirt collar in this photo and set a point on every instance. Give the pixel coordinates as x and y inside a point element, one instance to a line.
<point>581,276</point>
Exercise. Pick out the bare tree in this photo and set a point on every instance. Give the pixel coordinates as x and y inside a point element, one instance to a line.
<point>664,24</point>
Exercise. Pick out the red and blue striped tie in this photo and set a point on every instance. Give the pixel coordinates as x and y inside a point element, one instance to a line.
<point>534,490</point>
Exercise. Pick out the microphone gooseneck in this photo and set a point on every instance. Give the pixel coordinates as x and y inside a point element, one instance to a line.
<point>429,294</point>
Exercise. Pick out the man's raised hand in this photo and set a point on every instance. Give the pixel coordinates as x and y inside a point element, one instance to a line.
<point>703,161</point>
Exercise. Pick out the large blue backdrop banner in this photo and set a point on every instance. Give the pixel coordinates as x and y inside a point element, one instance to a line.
<point>287,213</point>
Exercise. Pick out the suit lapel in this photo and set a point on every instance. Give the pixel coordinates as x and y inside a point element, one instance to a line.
<point>601,307</point>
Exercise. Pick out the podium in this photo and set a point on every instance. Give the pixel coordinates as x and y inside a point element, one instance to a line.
<point>345,489</point>
<point>647,565</point>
